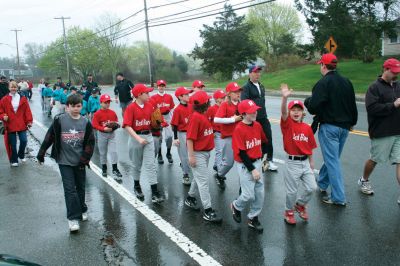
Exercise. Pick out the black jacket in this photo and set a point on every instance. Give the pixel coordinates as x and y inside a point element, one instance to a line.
<point>4,89</point>
<point>383,116</point>
<point>53,137</point>
<point>123,90</point>
<point>90,85</point>
<point>333,101</point>
<point>250,91</point>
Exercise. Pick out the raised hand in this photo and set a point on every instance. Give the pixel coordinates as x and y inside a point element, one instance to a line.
<point>286,92</point>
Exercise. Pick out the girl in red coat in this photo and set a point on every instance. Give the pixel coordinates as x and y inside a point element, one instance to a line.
<point>17,117</point>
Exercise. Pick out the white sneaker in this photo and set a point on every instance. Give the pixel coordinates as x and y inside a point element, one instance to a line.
<point>73,225</point>
<point>272,166</point>
<point>365,186</point>
<point>85,216</point>
<point>14,164</point>
<point>24,160</point>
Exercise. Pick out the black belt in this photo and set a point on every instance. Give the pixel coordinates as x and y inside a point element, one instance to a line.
<point>181,130</point>
<point>165,113</point>
<point>143,132</point>
<point>298,158</point>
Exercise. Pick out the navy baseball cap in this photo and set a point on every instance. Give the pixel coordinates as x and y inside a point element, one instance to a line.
<point>254,68</point>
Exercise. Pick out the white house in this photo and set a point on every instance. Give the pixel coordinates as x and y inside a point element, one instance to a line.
<point>391,45</point>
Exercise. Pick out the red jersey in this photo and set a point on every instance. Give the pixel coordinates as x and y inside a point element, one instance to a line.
<point>180,116</point>
<point>102,117</point>
<point>298,138</point>
<point>201,132</point>
<point>248,138</point>
<point>137,117</point>
<point>226,110</point>
<point>165,102</point>
<point>212,110</point>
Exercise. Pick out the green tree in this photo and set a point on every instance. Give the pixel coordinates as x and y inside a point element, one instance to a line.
<point>272,23</point>
<point>227,45</point>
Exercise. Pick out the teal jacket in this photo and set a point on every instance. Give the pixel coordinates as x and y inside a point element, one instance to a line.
<point>47,92</point>
<point>84,108</point>
<point>93,104</point>
<point>57,95</point>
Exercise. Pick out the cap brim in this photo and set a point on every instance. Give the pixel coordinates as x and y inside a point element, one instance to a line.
<point>395,70</point>
<point>253,109</point>
<point>149,90</point>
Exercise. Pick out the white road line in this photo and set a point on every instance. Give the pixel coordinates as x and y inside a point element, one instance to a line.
<point>188,246</point>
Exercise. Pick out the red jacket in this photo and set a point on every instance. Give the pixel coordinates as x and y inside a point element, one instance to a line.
<point>16,121</point>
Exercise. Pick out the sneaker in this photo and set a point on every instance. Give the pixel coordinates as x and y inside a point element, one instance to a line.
<point>215,168</point>
<point>157,198</point>
<point>139,193</point>
<point>220,180</point>
<point>236,214</point>
<point>160,159</point>
<point>272,166</point>
<point>117,175</point>
<point>328,200</point>
<point>211,216</point>
<point>255,224</point>
<point>191,202</point>
<point>365,187</point>
<point>14,164</point>
<point>73,225</point>
<point>104,173</point>
<point>186,180</point>
<point>302,211</point>
<point>289,217</point>
<point>169,158</point>
<point>85,216</point>
<point>24,160</point>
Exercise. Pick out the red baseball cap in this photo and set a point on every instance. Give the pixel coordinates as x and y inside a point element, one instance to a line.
<point>254,68</point>
<point>200,97</point>
<point>392,64</point>
<point>182,91</point>
<point>248,107</point>
<point>161,82</point>
<point>198,84</point>
<point>105,98</point>
<point>232,87</point>
<point>219,94</point>
<point>294,103</point>
<point>328,59</point>
<point>139,89</point>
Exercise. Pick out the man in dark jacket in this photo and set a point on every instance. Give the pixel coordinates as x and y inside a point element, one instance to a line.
<point>383,108</point>
<point>333,102</point>
<point>123,92</point>
<point>90,84</point>
<point>3,87</point>
<point>255,91</point>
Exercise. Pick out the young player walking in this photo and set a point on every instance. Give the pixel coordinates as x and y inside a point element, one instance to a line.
<point>200,141</point>
<point>137,122</point>
<point>249,142</point>
<point>105,121</point>
<point>179,122</point>
<point>298,143</point>
<point>228,117</point>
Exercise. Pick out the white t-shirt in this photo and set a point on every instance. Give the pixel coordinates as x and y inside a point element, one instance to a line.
<point>23,85</point>
<point>258,87</point>
<point>15,101</point>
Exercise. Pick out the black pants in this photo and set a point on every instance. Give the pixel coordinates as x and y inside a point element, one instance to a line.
<point>266,125</point>
<point>29,94</point>
<point>73,179</point>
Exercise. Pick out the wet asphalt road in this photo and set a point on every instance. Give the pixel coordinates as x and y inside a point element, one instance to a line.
<point>33,223</point>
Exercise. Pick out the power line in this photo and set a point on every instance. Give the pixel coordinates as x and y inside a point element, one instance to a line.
<point>169,4</point>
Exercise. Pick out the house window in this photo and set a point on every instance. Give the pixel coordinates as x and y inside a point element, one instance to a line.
<point>393,39</point>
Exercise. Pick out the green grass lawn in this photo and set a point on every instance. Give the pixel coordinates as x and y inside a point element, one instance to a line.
<point>303,78</point>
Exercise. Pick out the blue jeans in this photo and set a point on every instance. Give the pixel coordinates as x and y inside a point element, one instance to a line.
<point>12,139</point>
<point>332,139</point>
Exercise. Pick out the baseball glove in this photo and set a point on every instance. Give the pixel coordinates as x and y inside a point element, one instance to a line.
<point>156,119</point>
<point>113,125</point>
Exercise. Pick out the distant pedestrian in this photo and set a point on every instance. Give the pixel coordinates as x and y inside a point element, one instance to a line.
<point>105,121</point>
<point>227,117</point>
<point>3,87</point>
<point>72,140</point>
<point>298,143</point>
<point>179,123</point>
<point>17,117</point>
<point>200,141</point>
<point>30,88</point>
<point>249,141</point>
<point>137,122</point>
<point>40,89</point>
<point>166,105</point>
<point>91,84</point>
<point>333,102</point>
<point>23,88</point>
<point>56,106</point>
<point>122,92</point>
<point>255,91</point>
<point>93,104</point>
<point>382,101</point>
<point>46,93</point>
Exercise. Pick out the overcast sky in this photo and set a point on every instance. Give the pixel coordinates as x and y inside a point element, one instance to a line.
<point>36,20</point>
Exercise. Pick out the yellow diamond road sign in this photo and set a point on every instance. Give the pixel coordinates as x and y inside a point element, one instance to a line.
<point>331,45</point>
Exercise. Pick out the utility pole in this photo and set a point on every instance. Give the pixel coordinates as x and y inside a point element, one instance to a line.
<point>65,46</point>
<point>16,40</point>
<point>146,21</point>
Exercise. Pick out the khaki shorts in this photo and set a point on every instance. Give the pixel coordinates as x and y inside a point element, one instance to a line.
<point>386,149</point>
